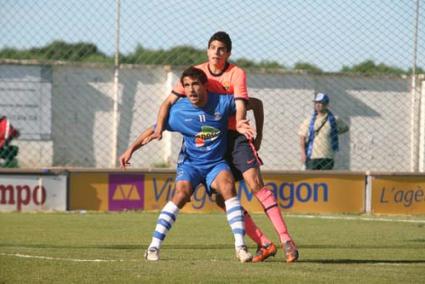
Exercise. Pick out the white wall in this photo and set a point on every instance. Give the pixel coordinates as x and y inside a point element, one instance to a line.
<point>376,108</point>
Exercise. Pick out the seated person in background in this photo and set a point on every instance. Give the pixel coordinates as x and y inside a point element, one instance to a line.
<point>8,152</point>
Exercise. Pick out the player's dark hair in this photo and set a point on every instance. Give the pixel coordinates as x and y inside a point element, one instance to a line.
<point>195,73</point>
<point>222,37</point>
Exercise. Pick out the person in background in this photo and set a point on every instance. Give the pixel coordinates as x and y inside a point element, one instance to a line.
<point>318,135</point>
<point>8,152</point>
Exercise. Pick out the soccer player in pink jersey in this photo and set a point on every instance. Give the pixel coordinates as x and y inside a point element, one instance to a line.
<point>224,77</point>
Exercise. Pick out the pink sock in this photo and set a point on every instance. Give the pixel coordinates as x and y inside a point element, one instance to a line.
<point>253,231</point>
<point>272,210</point>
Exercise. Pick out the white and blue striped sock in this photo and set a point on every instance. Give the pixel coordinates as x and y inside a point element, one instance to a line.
<point>234,213</point>
<point>165,221</point>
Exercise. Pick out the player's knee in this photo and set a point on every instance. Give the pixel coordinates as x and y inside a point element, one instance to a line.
<point>254,182</point>
<point>181,197</point>
<point>253,179</point>
<point>227,190</point>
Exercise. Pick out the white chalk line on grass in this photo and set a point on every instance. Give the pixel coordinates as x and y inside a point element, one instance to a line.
<point>376,219</point>
<point>61,258</point>
<point>121,260</point>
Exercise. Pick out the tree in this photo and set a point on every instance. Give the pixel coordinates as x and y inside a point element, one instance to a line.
<point>245,63</point>
<point>264,64</point>
<point>369,67</point>
<point>58,50</point>
<point>179,55</point>
<point>419,70</point>
<point>309,68</point>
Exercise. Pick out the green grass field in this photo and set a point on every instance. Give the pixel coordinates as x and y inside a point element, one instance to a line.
<point>108,248</point>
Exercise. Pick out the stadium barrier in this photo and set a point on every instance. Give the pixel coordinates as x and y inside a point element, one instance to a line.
<point>23,190</point>
<point>396,193</point>
<point>149,190</point>
<point>295,191</point>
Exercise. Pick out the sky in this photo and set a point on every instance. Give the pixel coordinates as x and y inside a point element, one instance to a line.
<point>327,33</point>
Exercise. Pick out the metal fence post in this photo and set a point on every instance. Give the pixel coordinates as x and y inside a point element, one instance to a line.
<point>116,87</point>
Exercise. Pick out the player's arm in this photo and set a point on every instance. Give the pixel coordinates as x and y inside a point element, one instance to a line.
<point>256,106</point>
<point>162,117</point>
<point>242,124</point>
<point>124,159</point>
<point>241,100</point>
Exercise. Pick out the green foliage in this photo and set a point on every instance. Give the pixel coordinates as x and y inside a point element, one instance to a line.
<point>178,56</point>
<point>244,63</point>
<point>418,70</point>
<point>270,65</point>
<point>10,53</point>
<point>58,50</point>
<point>309,68</point>
<point>265,64</point>
<point>369,67</point>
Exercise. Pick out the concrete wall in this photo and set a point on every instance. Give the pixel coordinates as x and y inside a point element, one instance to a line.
<point>377,110</point>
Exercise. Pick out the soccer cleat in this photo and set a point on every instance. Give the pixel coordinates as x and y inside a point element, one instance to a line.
<point>152,254</point>
<point>264,252</point>
<point>242,254</point>
<point>291,251</point>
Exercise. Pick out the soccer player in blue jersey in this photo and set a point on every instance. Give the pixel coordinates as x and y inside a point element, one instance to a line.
<point>201,118</point>
<point>227,78</point>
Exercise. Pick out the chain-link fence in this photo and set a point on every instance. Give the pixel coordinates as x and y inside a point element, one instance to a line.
<point>82,79</point>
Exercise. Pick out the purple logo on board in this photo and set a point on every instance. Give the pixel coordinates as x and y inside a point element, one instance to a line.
<point>126,191</point>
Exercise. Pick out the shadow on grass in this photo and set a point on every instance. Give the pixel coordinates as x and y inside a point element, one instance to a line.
<point>362,261</point>
<point>418,245</point>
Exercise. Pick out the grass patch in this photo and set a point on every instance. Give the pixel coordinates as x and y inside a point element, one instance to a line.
<point>199,248</point>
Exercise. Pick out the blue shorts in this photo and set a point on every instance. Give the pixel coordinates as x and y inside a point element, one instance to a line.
<point>200,174</point>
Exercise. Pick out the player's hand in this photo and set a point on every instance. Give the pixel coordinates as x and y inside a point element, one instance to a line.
<point>244,128</point>
<point>125,158</point>
<point>154,136</point>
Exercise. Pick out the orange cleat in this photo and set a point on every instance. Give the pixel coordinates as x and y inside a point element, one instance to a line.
<point>291,251</point>
<point>264,252</point>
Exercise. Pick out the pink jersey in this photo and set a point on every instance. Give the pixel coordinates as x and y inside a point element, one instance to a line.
<point>231,81</point>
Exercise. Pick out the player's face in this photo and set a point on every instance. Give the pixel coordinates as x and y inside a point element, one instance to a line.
<point>217,53</point>
<point>320,107</point>
<point>195,91</point>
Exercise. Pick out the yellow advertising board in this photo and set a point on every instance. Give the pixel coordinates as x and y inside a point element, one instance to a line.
<point>114,191</point>
<point>398,194</point>
<point>294,193</point>
<point>302,193</point>
<point>88,191</point>
<point>315,193</point>
<point>160,188</point>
